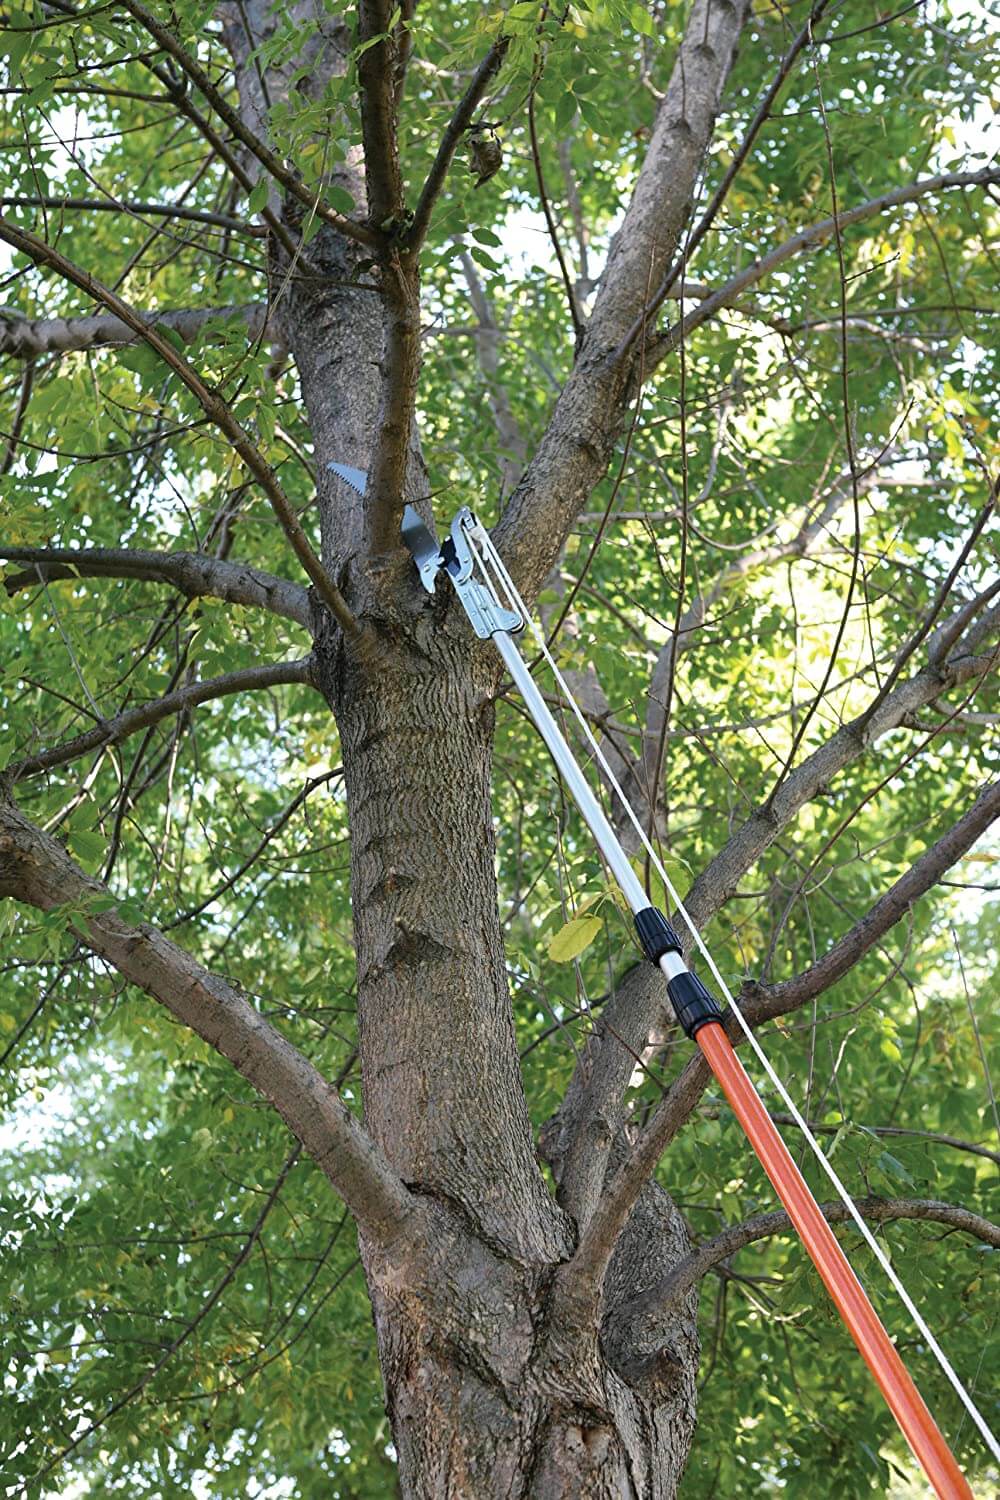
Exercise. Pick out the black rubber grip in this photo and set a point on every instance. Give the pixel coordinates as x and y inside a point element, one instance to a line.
<point>655,934</point>
<point>695,1006</point>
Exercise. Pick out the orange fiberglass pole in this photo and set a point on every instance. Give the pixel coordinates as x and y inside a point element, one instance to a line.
<point>874,1345</point>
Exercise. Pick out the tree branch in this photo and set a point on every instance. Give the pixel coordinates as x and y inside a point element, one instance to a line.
<point>577,444</point>
<point>376,77</point>
<point>212,403</point>
<point>813,524</point>
<point>456,128</point>
<point>717,882</point>
<point>20,413</point>
<point>404,50</point>
<point>486,335</point>
<point>113,731</point>
<point>273,164</point>
<point>598,1240</point>
<point>808,239</point>
<point>762,1226</point>
<point>27,338</point>
<point>194,573</point>
<point>934,1136</point>
<point>765,1002</point>
<point>694,239</point>
<point>387,465</point>
<point>400,369</point>
<point>34,868</point>
<point>130,206</point>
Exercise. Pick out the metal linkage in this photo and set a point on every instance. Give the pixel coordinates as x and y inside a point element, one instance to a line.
<point>467,569</point>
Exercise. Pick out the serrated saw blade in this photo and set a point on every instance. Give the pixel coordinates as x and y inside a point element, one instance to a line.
<point>356,478</point>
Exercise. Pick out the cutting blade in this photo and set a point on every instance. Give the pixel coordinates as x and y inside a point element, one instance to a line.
<point>423,547</point>
<point>417,537</point>
<point>356,478</point>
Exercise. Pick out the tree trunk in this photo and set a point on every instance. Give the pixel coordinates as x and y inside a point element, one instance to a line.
<point>496,1384</point>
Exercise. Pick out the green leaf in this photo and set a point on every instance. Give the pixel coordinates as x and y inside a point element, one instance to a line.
<point>257,199</point>
<point>88,847</point>
<point>339,199</point>
<point>893,1167</point>
<point>565,111</point>
<point>572,938</point>
<point>372,41</point>
<point>642,20</point>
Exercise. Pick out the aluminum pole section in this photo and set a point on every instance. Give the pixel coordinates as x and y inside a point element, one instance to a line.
<point>607,840</point>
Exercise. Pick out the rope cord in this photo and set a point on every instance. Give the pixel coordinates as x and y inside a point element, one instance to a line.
<point>496,561</point>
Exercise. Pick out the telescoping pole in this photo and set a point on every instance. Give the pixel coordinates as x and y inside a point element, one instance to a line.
<point>699,1014</point>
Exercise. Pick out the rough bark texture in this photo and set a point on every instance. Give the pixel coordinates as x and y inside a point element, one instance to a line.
<point>577,445</point>
<point>493,1387</point>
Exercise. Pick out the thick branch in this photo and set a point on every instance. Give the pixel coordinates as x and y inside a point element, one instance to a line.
<point>761,116</point>
<point>193,573</point>
<point>34,868</point>
<point>762,1226</point>
<point>212,403</point>
<point>376,77</point>
<point>27,338</point>
<point>577,444</point>
<point>113,731</point>
<point>400,279</point>
<point>400,371</point>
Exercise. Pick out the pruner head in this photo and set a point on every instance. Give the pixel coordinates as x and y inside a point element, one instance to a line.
<point>463,557</point>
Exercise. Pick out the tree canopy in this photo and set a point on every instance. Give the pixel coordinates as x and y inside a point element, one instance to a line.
<point>792,548</point>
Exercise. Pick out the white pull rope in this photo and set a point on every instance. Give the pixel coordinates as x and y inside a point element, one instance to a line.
<point>985,1431</point>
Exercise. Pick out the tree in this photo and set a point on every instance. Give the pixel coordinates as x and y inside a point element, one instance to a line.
<point>270,963</point>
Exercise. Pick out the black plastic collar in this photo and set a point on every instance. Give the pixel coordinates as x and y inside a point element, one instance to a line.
<point>656,934</point>
<point>694,1005</point>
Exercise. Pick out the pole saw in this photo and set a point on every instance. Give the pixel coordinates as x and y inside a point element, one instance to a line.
<point>497,613</point>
